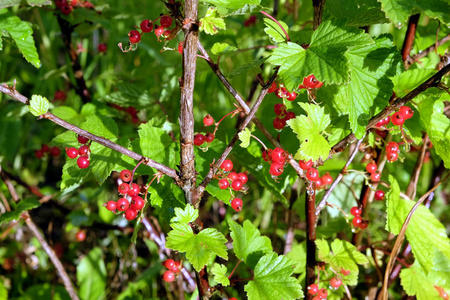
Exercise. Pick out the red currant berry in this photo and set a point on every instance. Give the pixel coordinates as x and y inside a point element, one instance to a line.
<point>371,167</point>
<point>279,108</point>
<point>345,272</point>
<point>379,195</point>
<point>243,177</point>
<point>208,120</point>
<point>276,169</point>
<point>177,267</point>
<point>311,82</point>
<point>267,154</point>
<point>135,189</point>
<point>84,150</point>
<point>167,32</point>
<point>130,214</point>
<point>381,133</point>
<point>60,95</point>
<point>406,111</point>
<point>165,21</point>
<point>356,211</point>
<point>392,147</point>
<point>80,236</point>
<point>278,123</point>
<point>237,185</point>
<point>83,162</point>
<point>279,155</point>
<point>227,165</point>
<point>170,264</point>
<point>397,119</point>
<point>102,47</point>
<point>335,282</point>
<point>375,176</point>
<point>272,88</point>
<point>74,3</point>
<point>82,140</point>
<point>60,3</point>
<point>110,205</point>
<point>39,154</point>
<point>125,175</point>
<point>313,289</point>
<point>169,276</point>
<point>357,221</point>
<point>45,148</point>
<point>72,152</point>
<point>305,165</point>
<point>384,121</point>
<point>233,176</point>
<point>199,139</point>
<point>327,179</point>
<point>137,203</point>
<point>236,204</point>
<point>55,151</point>
<point>392,156</point>
<point>146,26</point>
<point>209,137</point>
<point>322,293</point>
<point>318,184</point>
<point>124,188</point>
<point>134,36</point>
<point>291,96</point>
<point>180,47</point>
<point>364,224</point>
<point>289,115</point>
<point>223,183</point>
<point>66,9</point>
<point>122,204</point>
<point>312,174</point>
<point>232,298</point>
<point>281,92</point>
<point>159,31</point>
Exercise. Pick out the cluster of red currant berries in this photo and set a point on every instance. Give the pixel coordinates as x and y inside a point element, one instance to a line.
<point>174,268</point>
<point>83,152</point>
<point>147,26</point>
<point>66,6</point>
<point>251,21</point>
<point>392,151</point>
<point>282,116</point>
<point>54,151</point>
<point>398,118</point>
<point>232,180</point>
<point>371,168</point>
<point>131,203</point>
<point>313,174</point>
<point>310,82</point>
<point>335,283</point>
<point>200,138</point>
<point>277,159</point>
<point>357,221</point>
<point>282,92</point>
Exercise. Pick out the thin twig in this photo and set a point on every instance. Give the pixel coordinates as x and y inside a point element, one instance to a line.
<point>409,37</point>
<point>428,50</point>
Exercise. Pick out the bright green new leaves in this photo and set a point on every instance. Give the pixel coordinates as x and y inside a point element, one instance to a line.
<point>398,11</point>
<point>272,279</point>
<point>343,255</point>
<point>23,206</point>
<point>309,131</point>
<point>425,233</point>
<point>211,22</point>
<point>198,247</point>
<point>38,105</point>
<point>416,283</point>
<point>91,276</point>
<point>248,244</point>
<point>222,48</point>
<point>220,274</point>
<point>325,57</point>
<point>274,31</point>
<point>245,136</point>
<point>186,215</point>
<point>227,7</point>
<point>22,34</point>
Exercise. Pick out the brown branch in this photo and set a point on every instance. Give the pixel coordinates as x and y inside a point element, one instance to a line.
<point>310,206</point>
<point>409,37</point>
<point>427,51</point>
<point>318,11</point>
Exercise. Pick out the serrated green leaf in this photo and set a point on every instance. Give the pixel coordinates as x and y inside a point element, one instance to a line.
<point>343,255</point>
<point>211,22</point>
<point>406,81</point>
<point>245,136</point>
<point>91,276</point>
<point>67,114</point>
<point>309,130</point>
<point>272,279</point>
<point>425,233</point>
<point>101,126</point>
<point>220,274</point>
<point>248,244</point>
<point>274,31</point>
<point>440,271</point>
<point>198,247</point>
<point>222,48</point>
<point>156,144</point>
<point>227,7</point>
<point>8,3</point>
<point>358,13</point>
<point>186,215</point>
<point>129,95</point>
<point>252,67</point>
<point>24,205</point>
<point>416,283</point>
<point>298,254</point>
<point>38,105</point>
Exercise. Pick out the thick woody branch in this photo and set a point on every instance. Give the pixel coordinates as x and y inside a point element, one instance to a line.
<point>318,11</point>
<point>409,37</point>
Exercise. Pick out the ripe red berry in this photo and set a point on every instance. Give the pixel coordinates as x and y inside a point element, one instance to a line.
<point>392,156</point>
<point>102,47</point>
<point>72,152</point>
<point>167,32</point>
<point>272,88</point>
<point>279,108</point>
<point>335,282</point>
<point>312,174</point>
<point>110,205</point>
<point>281,92</point>
<point>305,165</point>
<point>134,36</point>
<point>60,95</point>
<point>236,204</point>
<point>66,9</point>
<point>371,167</point>
<point>276,169</point>
<point>82,140</point>
<point>311,82</point>
<point>165,21</point>
<point>232,298</point>
<point>267,154</point>
<point>406,111</point>
<point>39,154</point>
<point>55,151</point>
<point>60,3</point>
<point>209,137</point>
<point>375,176</point>
<point>223,184</point>
<point>243,177</point>
<point>392,147</point>
<point>227,165</point>
<point>233,176</point>
<point>278,155</point>
<point>135,189</point>
<point>345,272</point>
<point>237,185</point>
<point>379,195</point>
<point>289,115</point>
<point>124,188</point>
<point>45,148</point>
<point>159,31</point>
<point>199,139</point>
<point>291,96</point>
<point>356,211</point>
<point>313,289</point>
<point>169,276</point>
<point>122,204</point>
<point>125,175</point>
<point>383,122</point>
<point>80,236</point>
<point>208,120</point>
<point>327,179</point>
<point>180,47</point>
<point>381,133</point>
<point>364,224</point>
<point>137,203</point>
<point>83,162</point>
<point>130,214</point>
<point>74,3</point>
<point>322,293</point>
<point>397,119</point>
<point>357,221</point>
<point>169,264</point>
<point>279,123</point>
<point>84,150</point>
<point>146,26</point>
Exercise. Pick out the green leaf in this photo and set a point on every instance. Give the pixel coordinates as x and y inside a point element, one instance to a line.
<point>358,13</point>
<point>343,255</point>
<point>101,126</point>
<point>253,67</point>
<point>24,205</point>
<point>440,272</point>
<point>186,216</point>
<point>220,274</point>
<point>416,283</point>
<point>67,114</point>
<point>245,136</point>
<point>43,291</point>
<point>129,95</point>
<point>309,130</point>
<point>398,11</point>
<point>222,48</point>
<point>227,7</point>
<point>198,247</point>
<point>272,279</point>
<point>274,31</point>
<point>8,3</point>
<point>406,81</point>
<point>38,105</point>
<point>248,244</point>
<point>156,144</point>
<point>298,254</point>
<point>211,22</point>
<point>22,34</point>
<point>91,276</point>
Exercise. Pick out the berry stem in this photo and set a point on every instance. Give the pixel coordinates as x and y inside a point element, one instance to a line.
<point>235,267</point>
<point>336,206</point>
<point>134,170</point>
<point>265,148</point>
<point>233,113</point>
<point>278,23</point>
